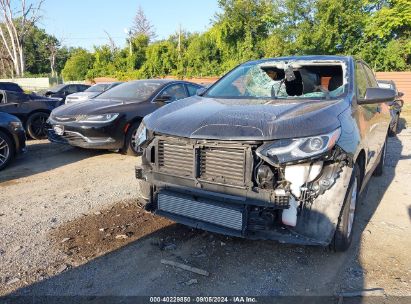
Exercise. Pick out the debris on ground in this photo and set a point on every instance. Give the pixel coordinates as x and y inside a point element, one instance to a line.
<point>191,282</point>
<point>185,267</point>
<point>93,235</point>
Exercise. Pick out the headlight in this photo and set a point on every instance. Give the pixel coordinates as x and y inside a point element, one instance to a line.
<point>290,150</point>
<point>16,125</point>
<point>141,135</point>
<point>97,118</point>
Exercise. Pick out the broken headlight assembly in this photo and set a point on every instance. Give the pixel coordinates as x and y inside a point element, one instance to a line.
<point>284,151</point>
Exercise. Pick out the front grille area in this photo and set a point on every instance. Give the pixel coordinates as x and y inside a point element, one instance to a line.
<point>201,209</point>
<point>175,157</point>
<point>211,162</point>
<point>223,165</point>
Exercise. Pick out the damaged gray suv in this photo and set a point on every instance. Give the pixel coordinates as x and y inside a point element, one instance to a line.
<point>276,149</point>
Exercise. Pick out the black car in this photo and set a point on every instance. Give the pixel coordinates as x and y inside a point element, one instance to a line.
<point>61,91</point>
<point>396,105</point>
<point>12,138</point>
<point>277,149</point>
<point>32,110</point>
<point>110,121</point>
<point>10,86</point>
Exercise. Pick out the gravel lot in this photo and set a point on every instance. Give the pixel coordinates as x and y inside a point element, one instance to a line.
<point>70,225</point>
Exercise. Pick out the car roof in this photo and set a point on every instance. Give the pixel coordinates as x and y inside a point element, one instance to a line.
<point>8,82</point>
<point>303,57</point>
<point>163,81</point>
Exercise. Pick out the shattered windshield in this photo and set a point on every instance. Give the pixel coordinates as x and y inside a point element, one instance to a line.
<point>282,80</point>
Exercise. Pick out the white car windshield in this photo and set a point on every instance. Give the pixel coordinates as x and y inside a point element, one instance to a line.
<point>282,80</point>
<point>97,88</point>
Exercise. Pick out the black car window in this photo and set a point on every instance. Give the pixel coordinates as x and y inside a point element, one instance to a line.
<point>16,97</point>
<point>371,78</point>
<point>2,99</point>
<point>70,89</point>
<point>192,89</point>
<point>82,87</point>
<point>58,88</point>
<point>13,87</point>
<point>176,92</point>
<point>362,82</point>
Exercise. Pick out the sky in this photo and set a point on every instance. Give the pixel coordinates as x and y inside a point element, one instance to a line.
<point>83,22</point>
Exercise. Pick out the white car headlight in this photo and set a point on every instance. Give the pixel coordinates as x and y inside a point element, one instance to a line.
<point>99,118</point>
<point>290,150</point>
<point>141,135</point>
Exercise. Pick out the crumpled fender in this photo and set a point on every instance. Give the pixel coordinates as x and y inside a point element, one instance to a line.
<point>319,221</point>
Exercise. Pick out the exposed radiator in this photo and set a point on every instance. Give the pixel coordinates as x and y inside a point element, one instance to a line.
<point>201,209</point>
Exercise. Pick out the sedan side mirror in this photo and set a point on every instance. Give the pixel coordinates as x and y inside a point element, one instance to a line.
<point>377,95</point>
<point>164,98</point>
<point>400,94</point>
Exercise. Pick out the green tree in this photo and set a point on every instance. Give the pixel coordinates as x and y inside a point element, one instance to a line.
<point>78,65</point>
<point>161,59</point>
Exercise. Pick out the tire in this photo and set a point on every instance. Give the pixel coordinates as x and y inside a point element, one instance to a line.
<point>393,130</point>
<point>7,150</point>
<point>129,145</point>
<point>379,170</point>
<point>344,231</point>
<point>36,125</point>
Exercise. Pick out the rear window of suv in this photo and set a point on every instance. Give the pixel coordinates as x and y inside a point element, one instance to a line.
<point>10,87</point>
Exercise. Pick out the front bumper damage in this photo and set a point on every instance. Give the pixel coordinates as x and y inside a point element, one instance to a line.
<point>250,212</point>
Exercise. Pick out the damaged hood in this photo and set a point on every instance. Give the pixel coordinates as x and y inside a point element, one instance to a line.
<point>245,119</point>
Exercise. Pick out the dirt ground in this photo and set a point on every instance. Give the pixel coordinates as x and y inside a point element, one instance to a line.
<point>70,224</point>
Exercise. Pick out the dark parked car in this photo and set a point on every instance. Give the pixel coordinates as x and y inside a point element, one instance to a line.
<point>32,110</point>
<point>110,121</point>
<point>12,138</point>
<point>61,91</point>
<point>277,149</point>
<point>91,92</point>
<point>396,105</point>
<point>10,86</point>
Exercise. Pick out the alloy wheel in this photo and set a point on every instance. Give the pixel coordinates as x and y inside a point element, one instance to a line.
<point>4,151</point>
<point>38,126</point>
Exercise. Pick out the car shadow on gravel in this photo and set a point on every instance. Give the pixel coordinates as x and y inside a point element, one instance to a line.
<point>44,156</point>
<point>236,266</point>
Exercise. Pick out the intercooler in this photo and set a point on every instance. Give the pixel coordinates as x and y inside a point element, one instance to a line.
<point>202,209</point>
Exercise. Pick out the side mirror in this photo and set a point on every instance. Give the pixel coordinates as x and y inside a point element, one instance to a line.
<point>201,91</point>
<point>377,95</point>
<point>400,94</point>
<point>164,98</point>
